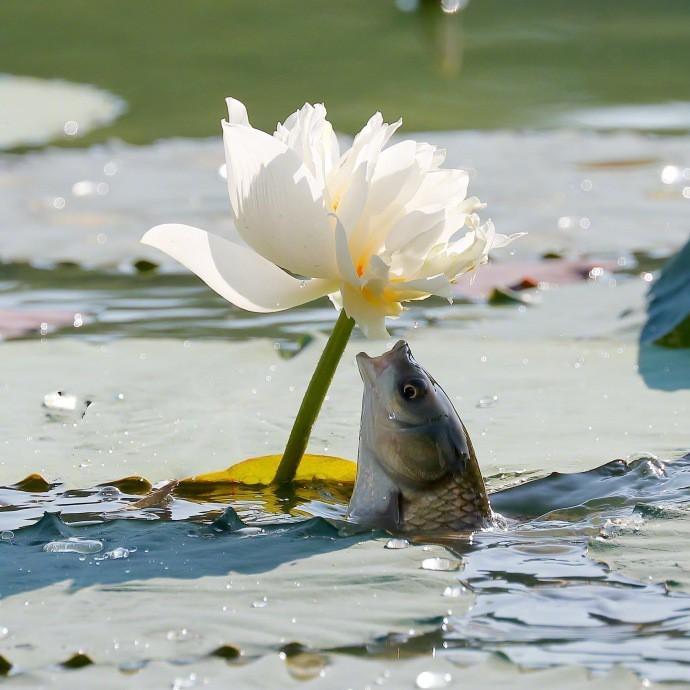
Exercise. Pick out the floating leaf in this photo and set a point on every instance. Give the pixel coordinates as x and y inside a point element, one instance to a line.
<point>503,296</point>
<point>619,163</point>
<point>78,660</point>
<point>145,266</point>
<point>551,269</point>
<point>261,470</point>
<point>33,483</point>
<point>131,485</point>
<point>16,323</point>
<point>228,652</point>
<point>5,666</point>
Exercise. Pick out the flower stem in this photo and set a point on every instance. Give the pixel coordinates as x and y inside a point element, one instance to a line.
<point>313,399</point>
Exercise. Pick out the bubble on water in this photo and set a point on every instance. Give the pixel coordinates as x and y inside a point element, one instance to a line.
<point>260,603</point>
<point>487,401</point>
<point>397,544</point>
<point>432,679</point>
<point>6,535</point>
<point>71,128</point>
<point>440,564</point>
<point>108,493</point>
<point>74,545</point>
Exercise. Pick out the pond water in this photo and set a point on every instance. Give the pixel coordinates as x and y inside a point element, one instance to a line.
<point>573,122</point>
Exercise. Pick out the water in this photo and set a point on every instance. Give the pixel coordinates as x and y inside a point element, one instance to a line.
<point>586,582</point>
<point>543,593</point>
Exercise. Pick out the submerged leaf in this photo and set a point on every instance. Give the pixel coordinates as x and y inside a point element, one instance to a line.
<point>261,470</point>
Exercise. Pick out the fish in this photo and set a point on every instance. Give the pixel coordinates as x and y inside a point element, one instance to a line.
<point>416,468</point>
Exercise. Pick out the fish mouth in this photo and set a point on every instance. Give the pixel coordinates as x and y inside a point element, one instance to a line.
<point>372,367</point>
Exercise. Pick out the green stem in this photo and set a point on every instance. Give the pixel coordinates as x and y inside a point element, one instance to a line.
<point>313,399</point>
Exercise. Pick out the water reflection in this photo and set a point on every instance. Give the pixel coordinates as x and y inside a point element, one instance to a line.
<point>541,596</point>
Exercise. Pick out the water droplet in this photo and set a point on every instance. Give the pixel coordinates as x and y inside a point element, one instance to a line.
<point>431,679</point>
<point>260,603</point>
<point>440,564</point>
<point>4,632</point>
<point>397,544</point>
<point>7,535</point>
<point>74,545</point>
<point>118,553</point>
<point>487,401</point>
<point>453,592</point>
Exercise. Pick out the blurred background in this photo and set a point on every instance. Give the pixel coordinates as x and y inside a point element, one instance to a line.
<point>480,64</point>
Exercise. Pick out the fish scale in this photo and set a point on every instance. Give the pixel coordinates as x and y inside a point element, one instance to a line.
<point>457,503</point>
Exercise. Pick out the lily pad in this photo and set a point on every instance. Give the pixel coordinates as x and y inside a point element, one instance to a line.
<point>260,472</point>
<point>669,304</point>
<point>74,110</point>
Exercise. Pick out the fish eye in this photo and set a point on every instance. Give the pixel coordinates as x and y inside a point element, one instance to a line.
<point>413,389</point>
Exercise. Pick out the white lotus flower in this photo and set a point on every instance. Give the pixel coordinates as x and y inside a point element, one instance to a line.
<point>372,227</point>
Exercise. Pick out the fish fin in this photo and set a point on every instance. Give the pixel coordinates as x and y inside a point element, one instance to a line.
<point>452,448</point>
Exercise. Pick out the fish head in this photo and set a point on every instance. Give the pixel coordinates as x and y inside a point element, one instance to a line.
<point>415,457</point>
<point>405,416</point>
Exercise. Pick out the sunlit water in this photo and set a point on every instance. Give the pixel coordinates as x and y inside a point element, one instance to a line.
<point>542,595</point>
<point>590,569</point>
